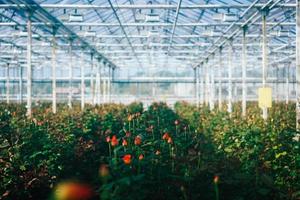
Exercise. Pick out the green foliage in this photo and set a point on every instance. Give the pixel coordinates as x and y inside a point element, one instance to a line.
<point>176,156</point>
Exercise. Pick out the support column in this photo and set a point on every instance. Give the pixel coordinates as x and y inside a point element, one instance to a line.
<point>100,91</point>
<point>202,85</point>
<point>244,73</point>
<point>29,68</point>
<point>298,64</point>
<point>92,89</point>
<point>219,82</point>
<point>104,88</point>
<point>20,83</point>
<point>206,84</point>
<point>54,109</point>
<point>277,83</point>
<point>108,84</point>
<point>287,75</point>
<point>230,77</point>
<point>82,90</point>
<point>70,76</point>
<point>264,58</point>
<point>7,84</point>
<point>197,87</point>
<point>212,88</point>
<point>97,87</point>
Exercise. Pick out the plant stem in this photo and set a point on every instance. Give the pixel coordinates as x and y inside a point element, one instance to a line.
<point>217,191</point>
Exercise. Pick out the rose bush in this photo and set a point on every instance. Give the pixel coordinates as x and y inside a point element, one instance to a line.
<point>128,152</point>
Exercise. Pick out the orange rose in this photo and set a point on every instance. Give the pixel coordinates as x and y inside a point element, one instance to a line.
<point>166,136</point>
<point>124,143</point>
<point>138,140</point>
<point>114,141</point>
<point>107,139</point>
<point>170,141</point>
<point>141,157</point>
<point>216,179</point>
<point>127,159</point>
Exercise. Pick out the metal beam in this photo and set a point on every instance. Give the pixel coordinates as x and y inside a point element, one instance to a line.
<point>151,6</point>
<point>174,26</point>
<point>40,13</point>
<point>123,30</point>
<point>145,24</point>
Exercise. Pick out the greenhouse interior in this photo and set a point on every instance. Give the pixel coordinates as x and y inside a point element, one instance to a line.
<point>150,99</point>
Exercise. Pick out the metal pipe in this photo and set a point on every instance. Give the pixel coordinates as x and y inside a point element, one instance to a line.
<point>220,84</point>
<point>70,76</point>
<point>20,84</point>
<point>82,83</point>
<point>92,80</point>
<point>151,6</point>
<point>264,58</point>
<point>212,88</point>
<point>230,77</point>
<point>54,107</point>
<point>7,84</point>
<point>29,68</point>
<point>123,30</point>
<point>287,74</point>
<point>174,26</point>
<point>244,75</point>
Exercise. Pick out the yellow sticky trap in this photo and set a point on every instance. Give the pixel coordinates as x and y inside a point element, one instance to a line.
<point>265,97</point>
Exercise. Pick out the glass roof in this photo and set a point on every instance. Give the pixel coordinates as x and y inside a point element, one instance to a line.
<point>142,35</point>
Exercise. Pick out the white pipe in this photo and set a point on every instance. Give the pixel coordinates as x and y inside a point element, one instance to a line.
<point>82,82</point>
<point>220,83</point>
<point>29,69</point>
<point>70,76</point>
<point>7,83</point>
<point>230,77</point>
<point>54,107</point>
<point>264,59</point>
<point>244,75</point>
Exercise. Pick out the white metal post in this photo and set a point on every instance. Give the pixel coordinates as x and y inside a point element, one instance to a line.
<point>82,82</point>
<point>230,77</point>
<point>244,75</point>
<point>220,83</point>
<point>54,75</point>
<point>108,84</point>
<point>20,83</point>
<point>7,83</point>
<point>206,85</point>
<point>287,74</point>
<point>70,76</point>
<point>197,87</point>
<point>298,64</point>
<point>277,83</point>
<point>100,89</point>
<point>92,90</point>
<point>264,58</point>
<point>104,87</point>
<point>202,85</point>
<point>212,88</point>
<point>97,87</point>
<point>29,68</point>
